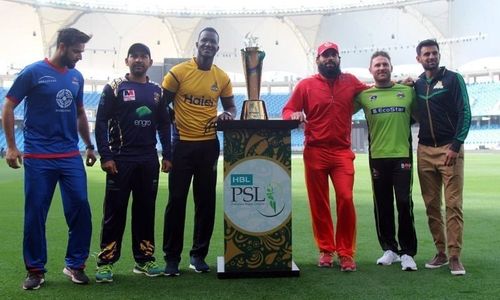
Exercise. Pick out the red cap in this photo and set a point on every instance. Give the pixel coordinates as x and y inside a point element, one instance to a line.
<point>325,46</point>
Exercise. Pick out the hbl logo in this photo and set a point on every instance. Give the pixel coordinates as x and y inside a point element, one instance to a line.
<point>243,189</point>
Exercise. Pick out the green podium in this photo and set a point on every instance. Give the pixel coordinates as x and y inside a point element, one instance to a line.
<point>257,199</point>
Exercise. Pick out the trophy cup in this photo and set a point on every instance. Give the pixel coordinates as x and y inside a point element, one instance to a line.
<point>253,108</point>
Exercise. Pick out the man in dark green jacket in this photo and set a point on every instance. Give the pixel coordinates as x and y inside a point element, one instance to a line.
<point>444,116</point>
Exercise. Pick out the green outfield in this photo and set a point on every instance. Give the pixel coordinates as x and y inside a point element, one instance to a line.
<point>480,256</point>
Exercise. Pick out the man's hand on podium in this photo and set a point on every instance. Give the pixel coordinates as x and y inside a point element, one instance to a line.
<point>225,116</point>
<point>298,115</point>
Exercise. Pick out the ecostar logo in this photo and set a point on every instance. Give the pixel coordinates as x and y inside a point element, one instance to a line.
<point>257,195</point>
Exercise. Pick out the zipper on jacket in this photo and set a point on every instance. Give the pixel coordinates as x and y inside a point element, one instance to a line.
<point>330,86</point>
<point>429,116</point>
<point>449,121</point>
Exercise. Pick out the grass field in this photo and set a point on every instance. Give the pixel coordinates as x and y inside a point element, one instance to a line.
<point>481,238</point>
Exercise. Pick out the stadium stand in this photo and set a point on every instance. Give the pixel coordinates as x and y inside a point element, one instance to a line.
<point>484,99</point>
<point>478,139</point>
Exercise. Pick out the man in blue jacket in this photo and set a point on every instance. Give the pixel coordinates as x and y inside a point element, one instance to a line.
<point>54,116</point>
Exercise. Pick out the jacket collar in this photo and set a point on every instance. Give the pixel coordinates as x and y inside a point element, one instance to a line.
<point>324,79</point>
<point>439,75</point>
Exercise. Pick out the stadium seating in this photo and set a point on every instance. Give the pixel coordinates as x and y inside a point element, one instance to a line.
<point>483,139</point>
<point>484,100</point>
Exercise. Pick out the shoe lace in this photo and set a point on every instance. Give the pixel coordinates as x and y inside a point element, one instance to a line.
<point>33,275</point>
<point>346,260</point>
<point>104,269</point>
<point>151,265</point>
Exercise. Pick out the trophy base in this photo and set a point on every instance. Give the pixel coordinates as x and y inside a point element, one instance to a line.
<point>223,274</point>
<point>253,110</point>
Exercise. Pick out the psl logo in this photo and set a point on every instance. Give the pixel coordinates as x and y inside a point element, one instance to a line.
<point>265,200</point>
<point>257,195</point>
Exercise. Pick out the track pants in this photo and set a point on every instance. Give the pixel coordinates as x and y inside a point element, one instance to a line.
<point>394,177</point>
<point>195,161</point>
<point>434,175</point>
<point>40,179</point>
<point>320,164</point>
<point>140,178</point>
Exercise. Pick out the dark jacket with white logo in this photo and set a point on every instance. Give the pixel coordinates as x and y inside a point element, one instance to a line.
<point>443,109</point>
<point>129,116</point>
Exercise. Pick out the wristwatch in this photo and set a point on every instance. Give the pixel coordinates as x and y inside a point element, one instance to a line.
<point>90,147</point>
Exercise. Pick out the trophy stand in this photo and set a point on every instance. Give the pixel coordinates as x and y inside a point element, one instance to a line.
<point>257,187</point>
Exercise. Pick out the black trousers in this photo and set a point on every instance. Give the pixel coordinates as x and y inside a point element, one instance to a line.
<point>394,177</point>
<point>196,161</point>
<point>140,178</point>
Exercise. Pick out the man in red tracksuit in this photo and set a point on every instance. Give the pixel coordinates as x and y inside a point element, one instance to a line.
<point>324,102</point>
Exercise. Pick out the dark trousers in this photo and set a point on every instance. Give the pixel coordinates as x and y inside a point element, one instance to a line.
<point>195,161</point>
<point>140,178</point>
<point>394,177</point>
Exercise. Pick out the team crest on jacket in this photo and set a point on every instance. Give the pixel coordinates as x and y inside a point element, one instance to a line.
<point>128,95</point>
<point>64,98</point>
<point>400,95</point>
<point>214,87</point>
<point>438,85</point>
<point>373,97</point>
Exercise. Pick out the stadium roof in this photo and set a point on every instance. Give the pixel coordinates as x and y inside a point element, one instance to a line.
<point>288,31</point>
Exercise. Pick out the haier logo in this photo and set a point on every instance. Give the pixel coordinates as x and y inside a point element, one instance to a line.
<point>198,101</point>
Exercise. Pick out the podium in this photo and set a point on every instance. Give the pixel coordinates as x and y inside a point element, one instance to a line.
<point>257,199</point>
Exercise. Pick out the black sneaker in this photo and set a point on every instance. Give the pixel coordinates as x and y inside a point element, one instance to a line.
<point>172,268</point>
<point>78,276</point>
<point>199,265</point>
<point>33,280</point>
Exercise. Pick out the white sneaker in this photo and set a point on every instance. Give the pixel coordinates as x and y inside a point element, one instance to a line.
<point>388,258</point>
<point>407,263</point>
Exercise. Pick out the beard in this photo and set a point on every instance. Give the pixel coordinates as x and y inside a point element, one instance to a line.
<point>66,61</point>
<point>431,67</point>
<point>329,72</point>
<point>138,71</point>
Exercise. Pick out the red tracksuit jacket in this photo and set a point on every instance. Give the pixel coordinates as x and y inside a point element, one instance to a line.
<point>328,106</point>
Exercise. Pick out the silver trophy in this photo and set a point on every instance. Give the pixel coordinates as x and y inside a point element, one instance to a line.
<point>253,108</point>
